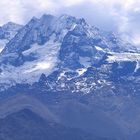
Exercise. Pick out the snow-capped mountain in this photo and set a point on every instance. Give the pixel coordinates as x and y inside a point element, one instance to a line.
<point>98,72</point>
<point>62,43</point>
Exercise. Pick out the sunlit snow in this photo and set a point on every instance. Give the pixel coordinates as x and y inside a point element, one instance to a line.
<point>123,57</point>
<point>2,44</point>
<point>99,48</point>
<point>81,71</point>
<point>45,63</point>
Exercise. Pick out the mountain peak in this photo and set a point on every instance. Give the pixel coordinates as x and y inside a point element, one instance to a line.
<point>47,16</point>
<point>34,18</point>
<point>9,30</point>
<point>64,16</point>
<point>11,26</point>
<point>67,17</point>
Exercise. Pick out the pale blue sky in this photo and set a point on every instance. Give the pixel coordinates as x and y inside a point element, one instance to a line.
<point>121,16</point>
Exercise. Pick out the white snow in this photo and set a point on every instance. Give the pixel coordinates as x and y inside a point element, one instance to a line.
<point>99,48</point>
<point>30,71</point>
<point>81,71</point>
<point>61,75</point>
<point>85,61</point>
<point>113,57</point>
<point>3,44</point>
<point>137,66</point>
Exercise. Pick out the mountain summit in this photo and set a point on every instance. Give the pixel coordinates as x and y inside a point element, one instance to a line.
<point>7,32</point>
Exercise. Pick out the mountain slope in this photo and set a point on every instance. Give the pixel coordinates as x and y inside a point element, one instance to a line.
<point>29,125</point>
<point>31,119</point>
<point>7,32</point>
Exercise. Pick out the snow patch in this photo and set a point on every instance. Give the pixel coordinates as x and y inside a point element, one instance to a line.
<point>99,48</point>
<point>85,61</point>
<point>81,71</point>
<point>115,57</point>
<point>3,43</point>
<point>61,75</point>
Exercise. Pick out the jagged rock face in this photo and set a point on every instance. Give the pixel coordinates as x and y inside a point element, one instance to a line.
<point>34,31</point>
<point>40,31</point>
<point>67,45</point>
<point>7,32</point>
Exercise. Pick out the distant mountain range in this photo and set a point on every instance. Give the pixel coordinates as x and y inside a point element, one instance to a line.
<point>88,78</point>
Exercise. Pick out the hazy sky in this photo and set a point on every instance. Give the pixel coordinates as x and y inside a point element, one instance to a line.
<point>121,16</point>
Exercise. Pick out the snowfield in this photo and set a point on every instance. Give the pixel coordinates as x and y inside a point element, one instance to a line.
<point>114,57</point>
<point>30,71</point>
<point>2,44</point>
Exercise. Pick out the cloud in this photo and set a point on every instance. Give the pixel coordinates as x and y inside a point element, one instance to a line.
<point>121,16</point>
<point>128,20</point>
